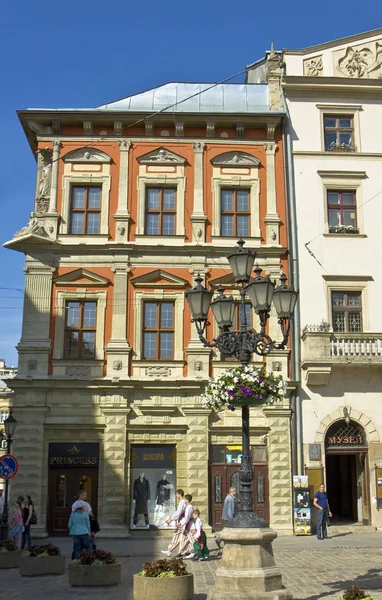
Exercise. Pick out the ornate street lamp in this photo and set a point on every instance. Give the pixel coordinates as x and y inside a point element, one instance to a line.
<point>261,291</point>
<point>10,424</point>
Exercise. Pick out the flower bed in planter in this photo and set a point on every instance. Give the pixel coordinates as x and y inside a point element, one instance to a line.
<point>243,385</point>
<point>95,568</point>
<point>42,560</point>
<point>164,578</point>
<point>9,555</point>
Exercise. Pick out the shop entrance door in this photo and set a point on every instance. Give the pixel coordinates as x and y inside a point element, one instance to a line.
<point>64,485</point>
<point>222,477</point>
<point>72,467</point>
<point>347,479</point>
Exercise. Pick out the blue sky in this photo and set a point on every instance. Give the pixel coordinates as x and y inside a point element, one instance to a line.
<point>83,54</point>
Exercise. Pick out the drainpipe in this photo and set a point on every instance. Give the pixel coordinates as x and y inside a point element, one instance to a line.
<point>297,441</point>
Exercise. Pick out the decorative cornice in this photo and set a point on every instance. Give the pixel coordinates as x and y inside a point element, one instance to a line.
<point>343,174</point>
<point>348,277</point>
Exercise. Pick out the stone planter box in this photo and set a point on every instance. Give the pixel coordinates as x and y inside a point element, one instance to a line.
<point>10,560</point>
<point>42,565</point>
<point>152,588</point>
<point>95,575</point>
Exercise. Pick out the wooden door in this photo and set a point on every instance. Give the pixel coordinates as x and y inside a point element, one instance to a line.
<point>261,491</point>
<point>222,477</point>
<point>63,488</point>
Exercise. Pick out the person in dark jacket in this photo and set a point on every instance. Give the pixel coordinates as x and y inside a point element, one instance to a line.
<point>229,509</point>
<point>28,510</point>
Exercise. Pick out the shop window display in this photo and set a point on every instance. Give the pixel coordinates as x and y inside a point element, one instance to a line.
<point>153,485</point>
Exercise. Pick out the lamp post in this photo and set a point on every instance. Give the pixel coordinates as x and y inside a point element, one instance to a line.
<point>10,424</point>
<point>261,291</point>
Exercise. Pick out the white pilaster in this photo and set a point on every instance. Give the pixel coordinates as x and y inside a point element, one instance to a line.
<point>122,216</point>
<point>198,355</point>
<point>272,220</point>
<point>118,349</point>
<point>34,346</point>
<point>198,218</point>
<point>54,184</point>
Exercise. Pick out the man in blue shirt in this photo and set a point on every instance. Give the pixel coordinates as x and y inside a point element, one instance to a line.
<point>322,504</point>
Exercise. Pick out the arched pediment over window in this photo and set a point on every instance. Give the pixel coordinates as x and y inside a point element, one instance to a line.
<point>235,159</point>
<point>161,156</point>
<point>84,155</point>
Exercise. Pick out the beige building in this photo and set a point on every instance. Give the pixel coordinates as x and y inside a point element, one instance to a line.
<point>130,206</point>
<point>333,93</point>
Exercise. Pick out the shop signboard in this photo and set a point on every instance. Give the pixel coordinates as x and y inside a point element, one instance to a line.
<point>301,510</point>
<point>153,485</point>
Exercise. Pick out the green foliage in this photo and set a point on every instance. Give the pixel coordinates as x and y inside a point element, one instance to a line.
<point>164,567</point>
<point>354,593</point>
<point>8,546</point>
<point>96,558</point>
<point>44,550</point>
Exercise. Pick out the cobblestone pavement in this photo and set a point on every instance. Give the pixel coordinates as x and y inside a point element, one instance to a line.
<point>311,570</point>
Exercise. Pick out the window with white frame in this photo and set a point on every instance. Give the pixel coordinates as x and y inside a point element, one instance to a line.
<point>158,326</point>
<point>161,194</point>
<point>346,311</point>
<point>85,193</point>
<point>80,329</point>
<point>160,211</point>
<point>235,213</point>
<point>342,192</point>
<point>236,195</point>
<point>85,210</point>
<point>158,330</point>
<point>79,325</point>
<point>342,211</point>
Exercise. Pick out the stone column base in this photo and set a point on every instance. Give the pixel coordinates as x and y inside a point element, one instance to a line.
<point>248,570</point>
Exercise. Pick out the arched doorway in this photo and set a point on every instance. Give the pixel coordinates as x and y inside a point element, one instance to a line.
<point>347,473</point>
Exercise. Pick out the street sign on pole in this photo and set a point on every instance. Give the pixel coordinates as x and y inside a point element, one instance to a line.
<point>8,466</point>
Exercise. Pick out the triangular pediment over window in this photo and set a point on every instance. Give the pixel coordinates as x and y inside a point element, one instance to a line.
<point>159,279</point>
<point>235,159</point>
<point>81,277</point>
<point>161,156</point>
<point>84,155</point>
<point>224,281</point>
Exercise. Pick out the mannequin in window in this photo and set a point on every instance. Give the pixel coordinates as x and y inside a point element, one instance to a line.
<point>162,499</point>
<point>141,498</point>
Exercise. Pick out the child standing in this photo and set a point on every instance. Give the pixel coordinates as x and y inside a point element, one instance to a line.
<point>201,551</point>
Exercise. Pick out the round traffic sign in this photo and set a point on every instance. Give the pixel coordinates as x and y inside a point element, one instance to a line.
<point>8,466</point>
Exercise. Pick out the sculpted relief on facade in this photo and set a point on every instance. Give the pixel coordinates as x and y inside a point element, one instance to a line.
<point>313,67</point>
<point>363,61</point>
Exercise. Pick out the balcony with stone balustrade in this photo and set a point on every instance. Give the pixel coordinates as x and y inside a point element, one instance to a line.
<point>323,350</point>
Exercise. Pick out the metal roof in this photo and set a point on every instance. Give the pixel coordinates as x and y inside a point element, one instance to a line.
<point>191,98</point>
<point>197,98</point>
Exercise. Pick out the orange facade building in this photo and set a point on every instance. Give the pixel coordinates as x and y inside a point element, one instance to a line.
<point>133,201</point>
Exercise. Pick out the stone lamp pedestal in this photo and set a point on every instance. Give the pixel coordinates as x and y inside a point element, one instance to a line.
<point>247,569</point>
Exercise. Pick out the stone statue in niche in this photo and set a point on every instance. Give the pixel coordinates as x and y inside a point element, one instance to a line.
<point>46,174</point>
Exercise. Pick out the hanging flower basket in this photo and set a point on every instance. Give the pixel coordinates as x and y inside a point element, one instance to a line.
<point>249,385</point>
